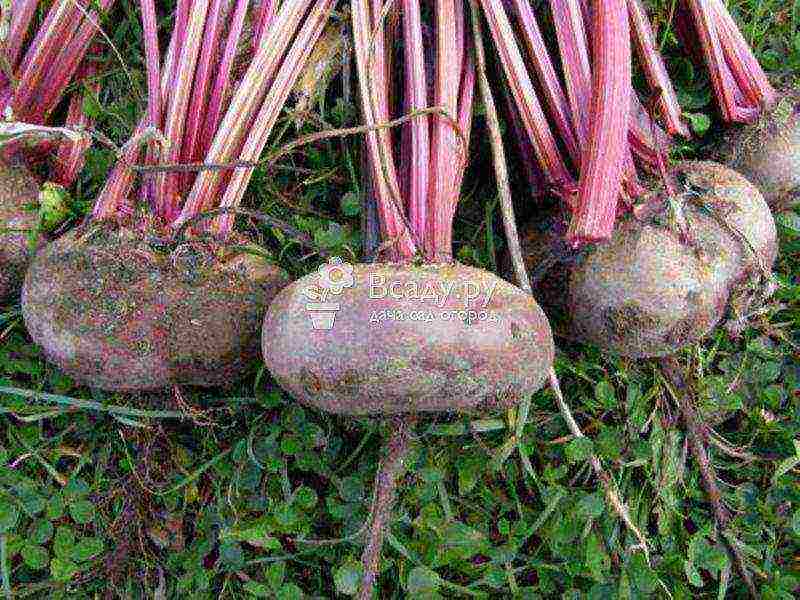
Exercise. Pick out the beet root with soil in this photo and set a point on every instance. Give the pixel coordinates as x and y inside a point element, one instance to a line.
<point>18,190</point>
<point>408,339</point>
<point>115,314</point>
<point>670,272</point>
<point>768,153</point>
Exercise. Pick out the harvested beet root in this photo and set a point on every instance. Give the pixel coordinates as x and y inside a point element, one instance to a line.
<point>768,153</point>
<point>115,314</point>
<point>408,339</point>
<point>666,278</point>
<point>18,190</point>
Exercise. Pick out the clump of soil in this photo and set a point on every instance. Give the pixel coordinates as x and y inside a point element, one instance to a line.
<point>19,190</point>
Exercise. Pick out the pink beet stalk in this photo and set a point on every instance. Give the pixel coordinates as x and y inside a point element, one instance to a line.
<point>733,104</point>
<point>279,91</point>
<point>393,229</point>
<point>62,70</point>
<point>71,155</point>
<point>443,138</point>
<point>540,60</point>
<point>222,81</point>
<point>743,64</point>
<point>418,130</point>
<point>573,45</point>
<point>191,151</point>
<point>533,118</point>
<point>243,106</point>
<point>609,115</point>
<point>59,25</point>
<point>153,66</point>
<point>23,11</point>
<point>655,70</point>
<point>114,194</point>
<point>168,185</point>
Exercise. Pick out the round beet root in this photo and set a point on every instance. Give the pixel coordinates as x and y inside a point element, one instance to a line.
<point>768,153</point>
<point>115,314</point>
<point>666,278</point>
<point>385,338</point>
<point>18,189</point>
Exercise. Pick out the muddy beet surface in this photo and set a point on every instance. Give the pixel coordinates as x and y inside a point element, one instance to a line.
<point>399,343</point>
<point>18,190</point>
<point>115,314</point>
<point>657,286</point>
<point>768,153</point>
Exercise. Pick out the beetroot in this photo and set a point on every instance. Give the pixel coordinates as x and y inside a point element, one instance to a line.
<point>118,313</point>
<point>18,191</point>
<point>657,286</point>
<point>768,153</point>
<point>114,313</point>
<point>407,339</point>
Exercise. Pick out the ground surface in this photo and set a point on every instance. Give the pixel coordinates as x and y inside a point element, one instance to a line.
<point>210,494</point>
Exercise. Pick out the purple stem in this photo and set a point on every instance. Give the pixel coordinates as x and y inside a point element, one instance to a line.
<point>655,70</point>
<point>417,131</point>
<point>222,82</point>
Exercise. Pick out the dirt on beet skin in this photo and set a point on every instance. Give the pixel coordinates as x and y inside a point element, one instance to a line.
<point>18,191</point>
<point>114,313</point>
<point>394,341</point>
<point>652,290</point>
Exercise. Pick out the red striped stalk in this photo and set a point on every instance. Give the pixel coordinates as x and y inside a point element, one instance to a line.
<point>539,57</point>
<point>380,59</point>
<point>59,25</point>
<point>739,56</point>
<point>153,67</point>
<point>249,95</point>
<point>179,34</point>
<point>577,30</point>
<point>51,89</point>
<point>379,151</point>
<point>280,89</point>
<point>443,138</point>
<point>222,80</point>
<point>533,118</point>
<point>574,49</point>
<point>417,131</point>
<point>168,184</point>
<point>191,150</point>
<point>466,105</point>
<point>609,116</point>
<point>655,70</point>
<point>71,155</point>
<point>730,98</point>
<point>21,17</point>
<point>266,12</point>
<point>113,199</point>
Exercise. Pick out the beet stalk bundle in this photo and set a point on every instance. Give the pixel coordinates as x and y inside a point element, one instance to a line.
<point>418,332</point>
<point>38,65</point>
<point>148,293</point>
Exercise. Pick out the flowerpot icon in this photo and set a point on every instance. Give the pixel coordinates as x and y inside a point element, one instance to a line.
<point>323,314</point>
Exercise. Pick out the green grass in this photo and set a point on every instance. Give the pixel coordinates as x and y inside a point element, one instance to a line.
<point>231,494</point>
